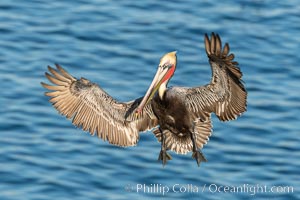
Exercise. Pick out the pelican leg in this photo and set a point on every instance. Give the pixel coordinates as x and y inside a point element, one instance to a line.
<point>163,155</point>
<point>197,154</point>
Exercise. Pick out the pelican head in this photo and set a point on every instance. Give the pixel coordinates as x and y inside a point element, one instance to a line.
<point>165,71</point>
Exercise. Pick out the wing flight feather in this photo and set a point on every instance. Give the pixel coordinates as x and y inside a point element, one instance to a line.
<point>225,95</point>
<point>95,111</point>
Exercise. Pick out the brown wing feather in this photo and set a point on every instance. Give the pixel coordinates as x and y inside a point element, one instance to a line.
<point>226,94</point>
<point>95,111</point>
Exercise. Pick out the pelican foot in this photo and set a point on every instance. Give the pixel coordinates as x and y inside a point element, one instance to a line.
<point>164,156</point>
<point>199,157</point>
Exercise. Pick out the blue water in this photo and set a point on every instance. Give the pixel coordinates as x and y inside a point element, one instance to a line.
<point>118,45</point>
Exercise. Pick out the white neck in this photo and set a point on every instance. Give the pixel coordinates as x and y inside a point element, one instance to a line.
<point>162,89</point>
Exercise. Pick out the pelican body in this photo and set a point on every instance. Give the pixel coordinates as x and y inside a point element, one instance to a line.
<point>180,117</point>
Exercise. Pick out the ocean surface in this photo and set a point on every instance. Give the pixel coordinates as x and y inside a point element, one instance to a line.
<point>118,44</point>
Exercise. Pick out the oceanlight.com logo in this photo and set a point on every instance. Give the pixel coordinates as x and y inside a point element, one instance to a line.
<point>163,190</point>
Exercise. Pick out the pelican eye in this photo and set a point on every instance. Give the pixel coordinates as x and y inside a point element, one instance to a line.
<point>167,66</point>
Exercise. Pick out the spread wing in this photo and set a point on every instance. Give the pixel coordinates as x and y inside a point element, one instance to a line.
<point>225,95</point>
<point>95,111</point>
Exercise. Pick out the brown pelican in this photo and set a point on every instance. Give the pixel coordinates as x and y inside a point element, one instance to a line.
<point>180,117</point>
